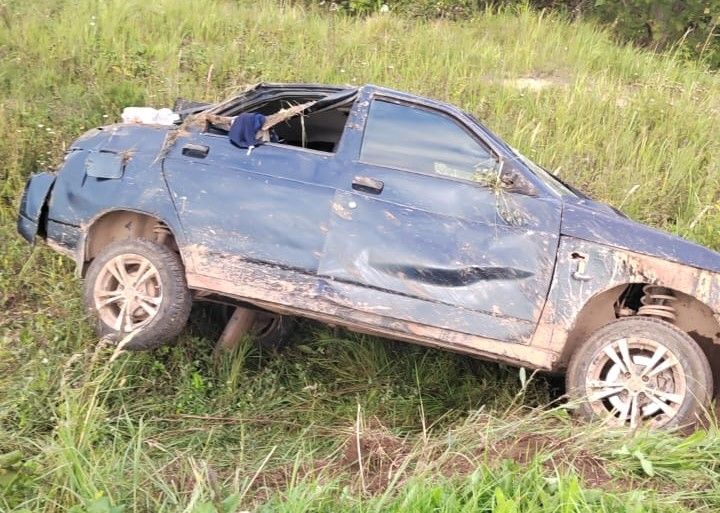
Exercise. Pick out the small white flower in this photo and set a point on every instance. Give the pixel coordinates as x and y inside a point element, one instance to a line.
<point>45,361</point>
<point>384,8</point>
<point>105,115</point>
<point>92,23</point>
<point>342,70</point>
<point>40,125</point>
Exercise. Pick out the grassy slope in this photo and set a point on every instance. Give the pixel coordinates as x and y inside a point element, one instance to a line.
<point>173,431</point>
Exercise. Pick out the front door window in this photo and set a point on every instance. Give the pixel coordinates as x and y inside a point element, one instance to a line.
<point>421,140</point>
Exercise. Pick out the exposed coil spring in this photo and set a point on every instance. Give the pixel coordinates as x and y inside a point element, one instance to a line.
<point>657,302</point>
<point>161,232</point>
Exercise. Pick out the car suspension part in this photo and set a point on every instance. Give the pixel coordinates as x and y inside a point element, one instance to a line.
<point>657,302</point>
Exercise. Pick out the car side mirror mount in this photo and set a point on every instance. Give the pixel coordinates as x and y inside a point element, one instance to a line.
<point>506,179</point>
<point>514,181</point>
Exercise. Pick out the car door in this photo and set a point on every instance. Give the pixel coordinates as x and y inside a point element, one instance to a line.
<point>267,206</point>
<point>423,229</point>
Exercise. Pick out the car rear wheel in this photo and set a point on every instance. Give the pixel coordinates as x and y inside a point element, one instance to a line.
<point>138,286</point>
<point>640,371</point>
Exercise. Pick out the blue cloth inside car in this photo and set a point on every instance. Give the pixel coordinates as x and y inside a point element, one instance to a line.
<point>244,129</point>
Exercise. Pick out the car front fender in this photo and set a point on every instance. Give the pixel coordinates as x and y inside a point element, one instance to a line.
<point>587,271</point>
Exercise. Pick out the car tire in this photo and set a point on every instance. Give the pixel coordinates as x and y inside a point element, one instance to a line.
<point>272,331</point>
<point>614,376</point>
<point>138,286</point>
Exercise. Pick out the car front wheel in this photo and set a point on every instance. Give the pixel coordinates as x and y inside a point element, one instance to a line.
<point>272,331</point>
<point>640,371</point>
<point>138,286</point>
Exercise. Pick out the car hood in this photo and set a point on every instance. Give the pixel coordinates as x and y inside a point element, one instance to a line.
<point>595,222</point>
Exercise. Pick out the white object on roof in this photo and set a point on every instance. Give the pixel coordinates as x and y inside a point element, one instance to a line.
<point>149,116</point>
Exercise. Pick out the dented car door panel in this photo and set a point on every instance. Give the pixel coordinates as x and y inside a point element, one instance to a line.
<point>484,278</point>
<point>441,251</point>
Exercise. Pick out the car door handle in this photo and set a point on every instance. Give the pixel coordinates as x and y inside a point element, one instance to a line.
<point>195,150</point>
<point>368,184</point>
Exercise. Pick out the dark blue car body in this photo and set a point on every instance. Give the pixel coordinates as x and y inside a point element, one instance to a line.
<point>516,270</point>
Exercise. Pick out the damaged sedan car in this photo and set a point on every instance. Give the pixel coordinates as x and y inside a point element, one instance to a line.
<point>388,214</point>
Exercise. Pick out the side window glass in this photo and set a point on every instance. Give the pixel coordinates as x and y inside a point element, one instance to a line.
<point>416,139</point>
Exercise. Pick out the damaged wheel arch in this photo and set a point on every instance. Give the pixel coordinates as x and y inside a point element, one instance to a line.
<point>125,224</point>
<point>692,316</point>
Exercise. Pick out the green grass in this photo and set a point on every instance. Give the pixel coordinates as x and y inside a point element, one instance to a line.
<point>173,430</point>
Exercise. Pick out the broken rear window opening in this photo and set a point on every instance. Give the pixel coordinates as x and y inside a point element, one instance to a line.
<point>318,127</point>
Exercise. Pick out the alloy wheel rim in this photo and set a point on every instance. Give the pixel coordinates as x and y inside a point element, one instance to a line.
<point>128,293</point>
<point>636,381</point>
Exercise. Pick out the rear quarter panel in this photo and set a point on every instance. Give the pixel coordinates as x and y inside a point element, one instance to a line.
<point>78,199</point>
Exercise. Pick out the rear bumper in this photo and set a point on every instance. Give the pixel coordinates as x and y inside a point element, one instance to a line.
<point>27,228</point>
<point>35,197</point>
<point>62,237</point>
